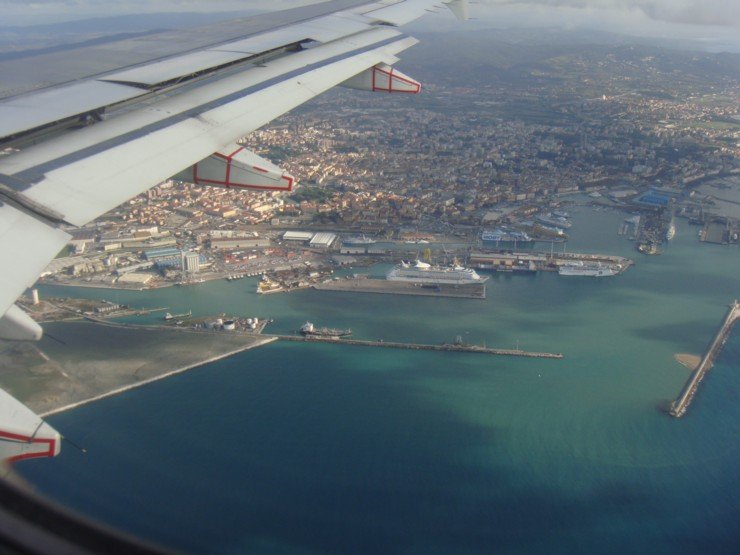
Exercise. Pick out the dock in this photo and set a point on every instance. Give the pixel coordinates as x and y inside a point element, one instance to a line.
<point>679,406</point>
<point>447,347</point>
<point>370,285</point>
<point>537,261</point>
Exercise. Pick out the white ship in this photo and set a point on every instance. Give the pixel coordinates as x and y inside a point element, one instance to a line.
<point>671,231</point>
<point>592,269</point>
<point>553,221</point>
<point>424,273</point>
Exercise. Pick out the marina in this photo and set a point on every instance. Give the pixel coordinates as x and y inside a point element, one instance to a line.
<point>681,404</point>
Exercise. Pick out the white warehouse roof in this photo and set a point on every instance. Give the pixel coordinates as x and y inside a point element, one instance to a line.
<point>323,239</point>
<point>297,236</point>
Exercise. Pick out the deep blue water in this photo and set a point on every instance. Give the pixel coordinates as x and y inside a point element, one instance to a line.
<point>295,448</point>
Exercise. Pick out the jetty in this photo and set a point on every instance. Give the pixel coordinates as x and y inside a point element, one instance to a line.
<point>679,406</point>
<point>449,347</point>
<point>364,284</point>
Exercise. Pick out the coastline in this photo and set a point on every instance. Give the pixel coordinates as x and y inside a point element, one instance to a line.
<point>79,362</point>
<point>117,287</point>
<point>124,388</point>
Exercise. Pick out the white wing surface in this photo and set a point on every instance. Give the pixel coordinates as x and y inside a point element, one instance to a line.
<point>94,127</point>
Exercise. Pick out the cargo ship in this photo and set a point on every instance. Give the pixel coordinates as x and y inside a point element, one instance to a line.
<point>424,273</point>
<point>309,329</point>
<point>648,248</point>
<point>591,269</point>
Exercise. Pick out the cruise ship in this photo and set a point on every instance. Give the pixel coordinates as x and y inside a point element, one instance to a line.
<point>424,273</point>
<point>671,231</point>
<point>591,269</point>
<point>502,237</point>
<point>553,221</point>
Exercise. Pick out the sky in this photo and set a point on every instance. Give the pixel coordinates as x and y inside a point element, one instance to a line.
<point>711,21</point>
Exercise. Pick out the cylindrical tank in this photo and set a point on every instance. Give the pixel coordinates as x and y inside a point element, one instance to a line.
<point>35,296</point>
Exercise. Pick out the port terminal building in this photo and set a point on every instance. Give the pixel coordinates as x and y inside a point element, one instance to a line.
<point>320,240</point>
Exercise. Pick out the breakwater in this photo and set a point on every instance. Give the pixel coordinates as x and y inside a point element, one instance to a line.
<point>449,347</point>
<point>682,402</point>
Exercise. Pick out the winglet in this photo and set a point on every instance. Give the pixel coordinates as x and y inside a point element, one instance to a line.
<point>460,9</point>
<point>23,434</point>
<point>16,325</point>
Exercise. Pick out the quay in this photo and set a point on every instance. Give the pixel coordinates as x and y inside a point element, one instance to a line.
<point>679,406</point>
<point>536,261</point>
<point>364,284</point>
<point>458,348</point>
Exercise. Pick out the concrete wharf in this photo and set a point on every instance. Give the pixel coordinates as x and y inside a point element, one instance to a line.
<point>682,402</point>
<point>370,285</point>
<point>448,347</point>
<point>540,261</point>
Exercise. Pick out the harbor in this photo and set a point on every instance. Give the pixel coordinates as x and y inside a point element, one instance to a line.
<point>682,402</point>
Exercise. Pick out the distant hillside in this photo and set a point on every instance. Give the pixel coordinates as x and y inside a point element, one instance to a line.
<point>527,57</point>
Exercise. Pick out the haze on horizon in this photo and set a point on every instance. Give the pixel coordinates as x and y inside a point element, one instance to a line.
<point>713,23</point>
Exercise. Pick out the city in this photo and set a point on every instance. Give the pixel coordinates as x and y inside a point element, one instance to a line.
<point>607,128</point>
<point>493,317</point>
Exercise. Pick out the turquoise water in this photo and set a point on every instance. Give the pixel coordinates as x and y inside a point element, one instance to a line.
<point>295,448</point>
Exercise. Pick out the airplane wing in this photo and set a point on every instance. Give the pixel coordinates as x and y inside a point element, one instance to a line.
<point>86,129</point>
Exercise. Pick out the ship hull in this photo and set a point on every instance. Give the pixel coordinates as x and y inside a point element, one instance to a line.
<point>435,276</point>
<point>603,271</point>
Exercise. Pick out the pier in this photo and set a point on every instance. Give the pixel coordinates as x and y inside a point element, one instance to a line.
<point>365,284</point>
<point>679,406</point>
<point>448,347</point>
<point>536,261</point>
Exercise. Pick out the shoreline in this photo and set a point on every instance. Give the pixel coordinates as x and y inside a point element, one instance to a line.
<point>116,287</point>
<point>122,389</point>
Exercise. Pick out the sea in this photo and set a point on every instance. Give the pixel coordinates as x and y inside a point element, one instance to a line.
<point>299,448</point>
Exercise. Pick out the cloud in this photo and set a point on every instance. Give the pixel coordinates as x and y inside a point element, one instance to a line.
<point>692,12</point>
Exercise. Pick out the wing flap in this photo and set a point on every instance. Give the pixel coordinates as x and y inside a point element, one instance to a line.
<point>173,68</point>
<point>97,177</point>
<point>21,113</point>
